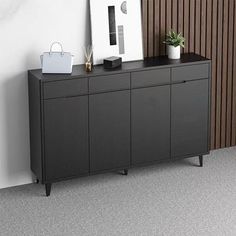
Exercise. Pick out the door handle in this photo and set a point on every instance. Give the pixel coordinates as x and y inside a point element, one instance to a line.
<point>180,82</point>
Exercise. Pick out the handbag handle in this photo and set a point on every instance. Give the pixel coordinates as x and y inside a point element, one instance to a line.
<point>62,51</point>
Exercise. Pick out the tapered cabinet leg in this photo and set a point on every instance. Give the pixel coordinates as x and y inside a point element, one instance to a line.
<point>48,189</point>
<point>200,160</point>
<point>125,171</point>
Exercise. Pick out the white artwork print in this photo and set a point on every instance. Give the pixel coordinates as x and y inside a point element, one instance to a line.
<point>116,27</point>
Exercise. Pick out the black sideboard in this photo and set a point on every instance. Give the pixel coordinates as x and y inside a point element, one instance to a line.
<point>144,112</point>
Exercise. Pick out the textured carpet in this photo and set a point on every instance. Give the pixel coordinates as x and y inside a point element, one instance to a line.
<point>176,198</point>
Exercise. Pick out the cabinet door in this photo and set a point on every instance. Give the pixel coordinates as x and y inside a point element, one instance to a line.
<point>66,137</point>
<point>109,130</point>
<point>189,118</point>
<point>150,124</point>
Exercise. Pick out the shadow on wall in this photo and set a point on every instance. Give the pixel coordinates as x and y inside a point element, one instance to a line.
<point>15,96</point>
<point>9,7</point>
<point>23,44</point>
<point>87,33</point>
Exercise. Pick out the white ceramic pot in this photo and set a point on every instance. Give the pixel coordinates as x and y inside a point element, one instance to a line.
<point>173,52</point>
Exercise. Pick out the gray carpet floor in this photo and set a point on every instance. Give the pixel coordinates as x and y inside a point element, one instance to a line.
<point>176,198</point>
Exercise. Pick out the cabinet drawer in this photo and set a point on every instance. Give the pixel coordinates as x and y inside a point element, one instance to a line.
<point>109,83</point>
<point>150,78</point>
<point>190,72</point>
<point>65,88</point>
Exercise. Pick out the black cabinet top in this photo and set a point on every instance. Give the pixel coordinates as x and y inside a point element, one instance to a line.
<point>148,63</point>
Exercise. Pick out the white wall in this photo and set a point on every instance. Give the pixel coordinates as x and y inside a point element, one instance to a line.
<point>27,27</point>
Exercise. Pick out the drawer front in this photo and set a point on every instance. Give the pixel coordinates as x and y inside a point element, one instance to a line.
<point>109,83</point>
<point>190,72</point>
<point>150,78</point>
<point>65,88</point>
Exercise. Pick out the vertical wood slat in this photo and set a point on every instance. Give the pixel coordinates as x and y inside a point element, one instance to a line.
<point>191,25</point>
<point>209,16</point>
<point>224,73</point>
<point>209,27</point>
<point>214,73</point>
<point>162,26</point>
<point>150,28</point>
<point>174,22</point>
<point>230,75</point>
<point>168,15</point>
<point>145,28</point>
<point>197,26</point>
<point>157,27</point>
<point>186,25</point>
<point>219,72</point>
<point>203,28</point>
<point>234,84</point>
<point>180,15</point>
<point>206,38</point>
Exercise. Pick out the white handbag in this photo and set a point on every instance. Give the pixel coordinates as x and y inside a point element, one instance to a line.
<point>57,62</point>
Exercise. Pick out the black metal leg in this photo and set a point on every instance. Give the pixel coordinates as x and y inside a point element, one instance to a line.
<point>37,181</point>
<point>201,160</point>
<point>125,171</point>
<point>48,189</point>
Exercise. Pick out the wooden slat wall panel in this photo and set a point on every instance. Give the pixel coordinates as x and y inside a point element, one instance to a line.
<point>209,27</point>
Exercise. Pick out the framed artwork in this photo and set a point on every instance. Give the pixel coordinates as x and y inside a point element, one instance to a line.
<point>116,29</point>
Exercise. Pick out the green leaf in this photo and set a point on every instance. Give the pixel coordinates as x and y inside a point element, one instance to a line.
<point>174,39</point>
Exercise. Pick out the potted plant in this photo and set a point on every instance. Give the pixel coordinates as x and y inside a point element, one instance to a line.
<point>174,41</point>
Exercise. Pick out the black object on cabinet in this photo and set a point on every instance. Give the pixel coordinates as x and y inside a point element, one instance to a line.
<point>144,112</point>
